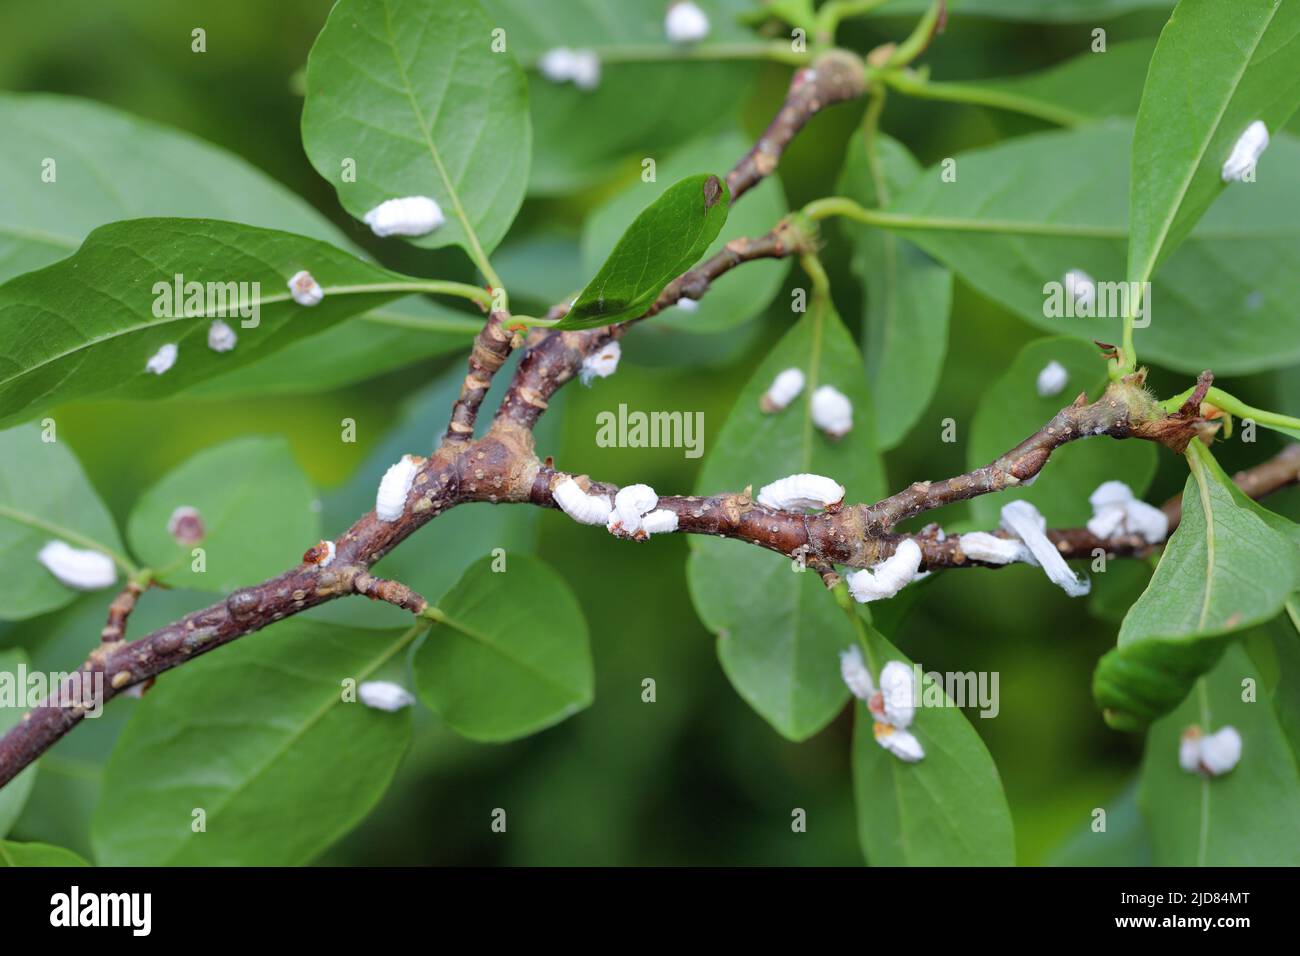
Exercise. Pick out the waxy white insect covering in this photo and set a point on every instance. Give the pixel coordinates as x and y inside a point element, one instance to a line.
<point>634,514</point>
<point>582,507</point>
<point>1116,511</point>
<point>305,289</point>
<point>384,695</point>
<point>1082,288</point>
<point>889,576</point>
<point>408,216</point>
<point>163,359</point>
<point>1052,379</point>
<point>893,706</point>
<point>1023,520</point>
<point>856,676</point>
<point>989,548</point>
<point>600,364</point>
<point>1245,153</point>
<point>686,23</point>
<point>1211,755</point>
<point>687,304</point>
<point>832,411</point>
<point>221,337</point>
<point>801,492</point>
<point>76,567</point>
<point>785,388</point>
<point>562,65</point>
<point>390,500</point>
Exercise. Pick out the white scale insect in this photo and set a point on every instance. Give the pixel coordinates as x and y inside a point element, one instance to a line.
<point>801,492</point>
<point>893,706</point>
<point>1211,755</point>
<point>77,567</point>
<point>305,289</point>
<point>686,23</point>
<point>601,364</point>
<point>390,500</point>
<point>407,216</point>
<point>832,411</point>
<point>1245,153</point>
<point>384,695</point>
<point>890,576</point>
<point>785,388</point>
<point>560,65</point>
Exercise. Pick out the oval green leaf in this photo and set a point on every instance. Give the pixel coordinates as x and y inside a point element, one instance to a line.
<point>259,737</point>
<point>408,98</point>
<point>495,669</point>
<point>669,236</point>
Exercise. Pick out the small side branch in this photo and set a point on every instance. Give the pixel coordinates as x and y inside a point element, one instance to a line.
<point>120,610</point>
<point>491,349</point>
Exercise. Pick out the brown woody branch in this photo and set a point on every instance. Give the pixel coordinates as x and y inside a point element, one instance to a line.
<point>491,348</point>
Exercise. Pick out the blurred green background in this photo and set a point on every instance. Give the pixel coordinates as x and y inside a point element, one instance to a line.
<point>696,777</point>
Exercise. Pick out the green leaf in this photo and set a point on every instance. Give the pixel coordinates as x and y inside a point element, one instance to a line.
<point>15,793</point>
<point>1086,87</point>
<point>494,669</point>
<point>1012,410</point>
<point>1123,842</point>
<point>692,94</point>
<point>1229,565</point>
<point>44,495</point>
<point>413,94</point>
<point>946,810</point>
<point>157,171</point>
<point>1041,11</point>
<point>908,296</point>
<point>779,632</point>
<point>739,295</point>
<point>258,737</point>
<point>1219,66</point>
<point>669,236</point>
<point>256,508</point>
<point>37,854</point>
<point>401,333</point>
<point>1248,817</point>
<point>97,310</point>
<point>1023,213</point>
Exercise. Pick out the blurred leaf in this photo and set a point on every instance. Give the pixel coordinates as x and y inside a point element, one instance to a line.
<point>735,297</point>
<point>494,668</point>
<point>1229,565</point>
<point>1023,213</point>
<point>1123,842</point>
<point>1085,87</point>
<point>908,296</point>
<point>44,495</point>
<point>1219,66</point>
<point>37,854</point>
<point>946,810</point>
<point>1042,11</point>
<point>1114,592</point>
<point>96,311</point>
<point>158,171</point>
<point>414,95</point>
<point>14,794</point>
<point>255,505</point>
<point>1012,410</point>
<point>1248,817</point>
<point>651,97</point>
<point>779,632</point>
<point>666,238</point>
<point>258,737</point>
